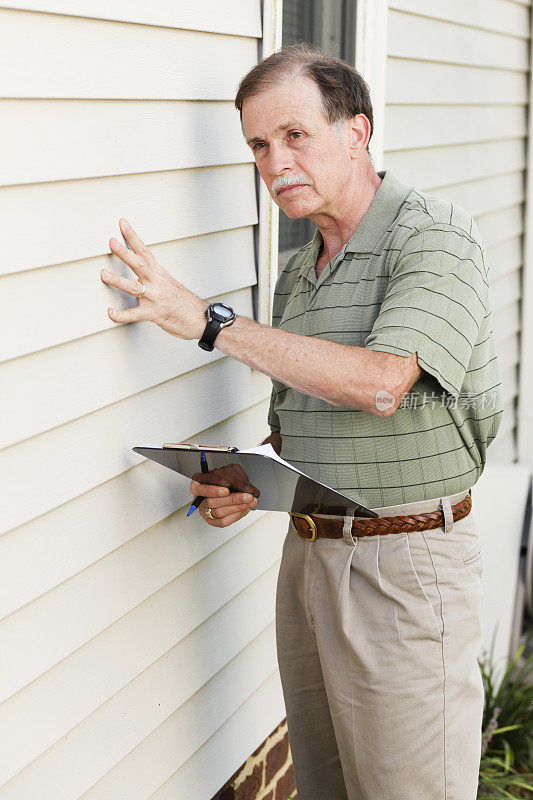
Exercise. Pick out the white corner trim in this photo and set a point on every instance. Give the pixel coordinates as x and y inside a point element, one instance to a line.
<point>525,386</point>
<point>267,255</point>
<point>371,62</point>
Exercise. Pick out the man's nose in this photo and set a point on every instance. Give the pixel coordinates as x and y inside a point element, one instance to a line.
<point>279,158</point>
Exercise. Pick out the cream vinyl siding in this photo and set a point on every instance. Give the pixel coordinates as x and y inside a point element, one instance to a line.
<point>138,647</point>
<point>456,95</point>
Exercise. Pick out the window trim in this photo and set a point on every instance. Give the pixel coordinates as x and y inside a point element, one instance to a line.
<point>268,211</point>
<point>524,414</point>
<point>371,61</point>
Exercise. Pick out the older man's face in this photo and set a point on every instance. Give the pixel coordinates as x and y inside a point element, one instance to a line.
<point>297,152</point>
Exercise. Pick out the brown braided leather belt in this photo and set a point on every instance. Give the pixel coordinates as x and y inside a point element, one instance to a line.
<point>310,527</point>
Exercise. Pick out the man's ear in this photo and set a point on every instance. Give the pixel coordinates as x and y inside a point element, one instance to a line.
<point>359,134</point>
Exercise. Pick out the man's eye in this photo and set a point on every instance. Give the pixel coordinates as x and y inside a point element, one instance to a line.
<point>257,145</point>
<point>296,133</point>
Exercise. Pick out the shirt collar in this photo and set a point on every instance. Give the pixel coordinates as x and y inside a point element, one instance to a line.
<point>381,213</point>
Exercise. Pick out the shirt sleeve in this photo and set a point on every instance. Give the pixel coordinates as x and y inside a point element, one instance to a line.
<point>273,419</point>
<point>435,303</point>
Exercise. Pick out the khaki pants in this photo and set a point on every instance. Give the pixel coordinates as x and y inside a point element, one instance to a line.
<point>377,641</point>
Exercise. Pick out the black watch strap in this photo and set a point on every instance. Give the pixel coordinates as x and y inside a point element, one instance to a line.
<point>210,334</point>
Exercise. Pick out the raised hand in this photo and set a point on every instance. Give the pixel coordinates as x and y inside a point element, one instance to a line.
<point>165,301</point>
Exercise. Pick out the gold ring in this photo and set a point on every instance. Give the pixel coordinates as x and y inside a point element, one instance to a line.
<point>143,290</point>
<point>209,512</point>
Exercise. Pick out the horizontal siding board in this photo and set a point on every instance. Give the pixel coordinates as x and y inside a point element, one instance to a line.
<point>409,84</point>
<point>433,167</point>
<point>505,290</point>
<point>420,38</point>
<point>208,265</point>
<point>508,423</point>
<point>499,226</point>
<point>222,754</point>
<point>142,769</point>
<point>510,381</point>
<point>158,358</point>
<point>137,653</point>
<point>103,706</point>
<point>492,15</point>
<point>86,58</point>
<point>455,146</point>
<point>116,591</point>
<point>509,396</point>
<point>124,623</point>
<point>486,194</point>
<point>412,127</point>
<point>510,390</point>
<point>53,140</point>
<point>503,448</point>
<point>42,554</point>
<point>505,257</point>
<point>73,458</point>
<point>154,760</point>
<point>207,15</point>
<point>505,321</point>
<point>70,220</point>
<point>508,355</point>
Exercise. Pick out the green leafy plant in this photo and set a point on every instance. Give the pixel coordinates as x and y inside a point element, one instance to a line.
<point>506,769</point>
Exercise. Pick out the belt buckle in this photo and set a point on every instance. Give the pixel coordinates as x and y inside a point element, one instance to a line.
<point>311,523</point>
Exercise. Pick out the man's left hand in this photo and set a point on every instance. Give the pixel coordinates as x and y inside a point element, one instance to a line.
<point>166,302</point>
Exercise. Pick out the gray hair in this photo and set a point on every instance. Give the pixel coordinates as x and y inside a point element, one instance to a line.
<point>344,91</point>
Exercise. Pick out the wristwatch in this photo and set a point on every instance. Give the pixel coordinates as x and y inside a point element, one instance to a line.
<point>218,316</point>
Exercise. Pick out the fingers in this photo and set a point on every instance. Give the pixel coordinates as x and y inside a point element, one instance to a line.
<point>135,241</point>
<point>229,519</point>
<point>217,490</point>
<point>137,264</point>
<point>208,490</point>
<point>221,501</point>
<point>126,314</point>
<point>221,512</point>
<point>234,499</point>
<point>126,284</point>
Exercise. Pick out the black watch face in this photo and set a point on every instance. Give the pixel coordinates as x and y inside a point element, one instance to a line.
<point>222,312</point>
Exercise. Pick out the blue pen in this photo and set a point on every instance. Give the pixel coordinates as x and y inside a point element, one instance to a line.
<point>197,500</point>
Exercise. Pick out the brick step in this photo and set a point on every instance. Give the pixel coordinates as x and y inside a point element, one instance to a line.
<point>267,774</point>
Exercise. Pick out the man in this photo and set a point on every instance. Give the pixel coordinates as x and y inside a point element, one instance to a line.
<point>381,324</point>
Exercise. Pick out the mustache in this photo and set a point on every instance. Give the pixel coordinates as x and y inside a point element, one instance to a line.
<point>282,181</point>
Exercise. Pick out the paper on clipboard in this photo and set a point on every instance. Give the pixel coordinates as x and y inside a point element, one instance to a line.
<point>261,450</point>
<point>268,450</point>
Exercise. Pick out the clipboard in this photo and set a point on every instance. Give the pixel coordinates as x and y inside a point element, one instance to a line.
<point>277,484</point>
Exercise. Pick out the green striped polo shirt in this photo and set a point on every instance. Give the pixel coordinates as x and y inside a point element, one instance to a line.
<point>414,276</point>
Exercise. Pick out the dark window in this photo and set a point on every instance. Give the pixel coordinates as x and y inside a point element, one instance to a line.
<point>329,24</point>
